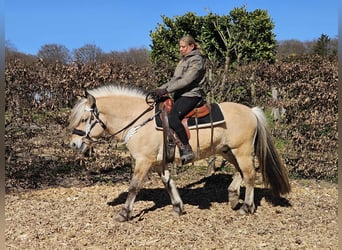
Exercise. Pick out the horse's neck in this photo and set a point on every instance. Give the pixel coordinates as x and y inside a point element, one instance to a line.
<point>120,111</point>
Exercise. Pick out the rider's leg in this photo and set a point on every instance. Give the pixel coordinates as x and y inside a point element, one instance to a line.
<point>180,109</point>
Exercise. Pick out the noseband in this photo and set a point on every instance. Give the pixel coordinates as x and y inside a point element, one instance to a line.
<point>94,119</point>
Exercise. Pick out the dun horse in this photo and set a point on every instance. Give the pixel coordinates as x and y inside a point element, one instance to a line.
<point>243,136</point>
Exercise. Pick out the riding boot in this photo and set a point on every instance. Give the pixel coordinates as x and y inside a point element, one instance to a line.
<point>186,153</point>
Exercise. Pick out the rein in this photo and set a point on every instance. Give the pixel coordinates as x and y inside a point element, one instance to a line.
<point>132,122</point>
<point>150,104</point>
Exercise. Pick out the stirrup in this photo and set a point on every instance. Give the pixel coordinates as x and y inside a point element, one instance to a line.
<point>187,158</point>
<point>186,154</point>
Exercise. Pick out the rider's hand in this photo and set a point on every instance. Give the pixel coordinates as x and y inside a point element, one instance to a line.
<point>160,92</point>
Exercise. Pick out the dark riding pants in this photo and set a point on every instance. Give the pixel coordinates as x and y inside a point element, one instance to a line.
<point>181,107</point>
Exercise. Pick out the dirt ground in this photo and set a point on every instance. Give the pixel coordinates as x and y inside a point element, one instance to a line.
<point>82,217</point>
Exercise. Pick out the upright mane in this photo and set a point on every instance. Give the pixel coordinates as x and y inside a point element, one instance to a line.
<point>107,90</point>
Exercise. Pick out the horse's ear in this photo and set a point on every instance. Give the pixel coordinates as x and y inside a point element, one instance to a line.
<point>91,99</point>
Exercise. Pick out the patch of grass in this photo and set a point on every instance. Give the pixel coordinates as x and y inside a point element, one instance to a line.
<point>325,131</point>
<point>43,116</point>
<point>269,118</point>
<point>8,116</point>
<point>332,180</point>
<point>283,145</point>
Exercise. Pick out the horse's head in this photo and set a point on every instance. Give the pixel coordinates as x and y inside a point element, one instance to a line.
<point>87,124</point>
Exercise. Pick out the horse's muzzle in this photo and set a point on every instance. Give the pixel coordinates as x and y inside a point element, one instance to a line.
<point>80,145</point>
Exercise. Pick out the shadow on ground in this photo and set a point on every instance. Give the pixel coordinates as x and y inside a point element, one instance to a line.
<point>214,189</point>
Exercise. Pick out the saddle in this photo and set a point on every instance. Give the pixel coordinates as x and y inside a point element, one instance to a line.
<point>202,109</point>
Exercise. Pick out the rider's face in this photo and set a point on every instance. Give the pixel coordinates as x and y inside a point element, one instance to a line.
<point>185,48</point>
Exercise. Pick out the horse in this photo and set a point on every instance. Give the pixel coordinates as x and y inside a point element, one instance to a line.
<point>114,109</point>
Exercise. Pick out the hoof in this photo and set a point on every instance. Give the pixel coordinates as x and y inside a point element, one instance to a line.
<point>246,209</point>
<point>122,216</point>
<point>234,204</point>
<point>234,200</point>
<point>178,209</point>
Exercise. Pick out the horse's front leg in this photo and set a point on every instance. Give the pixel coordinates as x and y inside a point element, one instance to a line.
<point>171,188</point>
<point>140,172</point>
<point>125,213</point>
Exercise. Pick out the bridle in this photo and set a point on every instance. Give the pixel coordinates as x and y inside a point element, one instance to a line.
<point>93,120</point>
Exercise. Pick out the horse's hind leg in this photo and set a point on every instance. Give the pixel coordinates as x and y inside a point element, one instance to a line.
<point>234,190</point>
<point>246,165</point>
<point>171,188</point>
<point>234,187</point>
<point>140,172</point>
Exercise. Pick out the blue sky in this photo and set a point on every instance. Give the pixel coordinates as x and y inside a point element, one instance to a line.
<point>120,25</point>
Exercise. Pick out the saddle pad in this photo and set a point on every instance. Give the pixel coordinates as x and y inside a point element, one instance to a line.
<point>203,122</point>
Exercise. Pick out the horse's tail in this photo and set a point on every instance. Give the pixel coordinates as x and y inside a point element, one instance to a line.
<point>274,173</point>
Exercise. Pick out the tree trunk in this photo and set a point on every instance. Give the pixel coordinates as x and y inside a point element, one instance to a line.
<point>275,109</point>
